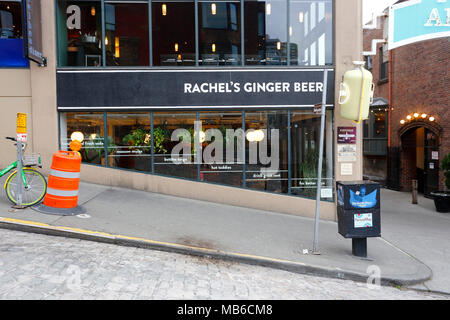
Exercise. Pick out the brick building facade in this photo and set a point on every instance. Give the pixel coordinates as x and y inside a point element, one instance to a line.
<point>418,116</point>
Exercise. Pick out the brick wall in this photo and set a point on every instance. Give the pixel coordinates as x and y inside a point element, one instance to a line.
<point>420,83</point>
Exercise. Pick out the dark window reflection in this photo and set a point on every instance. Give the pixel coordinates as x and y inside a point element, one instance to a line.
<point>219,33</point>
<point>91,126</point>
<point>127,34</point>
<point>265,32</point>
<point>222,147</point>
<point>174,147</point>
<point>266,151</point>
<point>305,135</point>
<point>79,33</point>
<point>173,33</point>
<point>10,20</point>
<point>131,140</point>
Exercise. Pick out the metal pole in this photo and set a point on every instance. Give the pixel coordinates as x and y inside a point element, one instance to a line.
<point>319,168</point>
<point>19,175</point>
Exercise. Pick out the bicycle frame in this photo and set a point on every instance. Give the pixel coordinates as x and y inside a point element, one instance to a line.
<point>8,169</point>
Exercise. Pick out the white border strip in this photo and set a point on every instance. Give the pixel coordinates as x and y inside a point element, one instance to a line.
<point>193,107</point>
<point>186,70</point>
<point>430,36</point>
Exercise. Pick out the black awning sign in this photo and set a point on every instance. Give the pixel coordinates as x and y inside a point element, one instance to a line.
<point>33,31</point>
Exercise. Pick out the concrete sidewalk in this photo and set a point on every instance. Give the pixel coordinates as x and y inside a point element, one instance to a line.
<point>168,223</point>
<point>421,231</point>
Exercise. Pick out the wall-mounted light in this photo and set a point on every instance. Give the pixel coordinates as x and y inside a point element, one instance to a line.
<point>93,11</point>
<point>213,9</point>
<point>268,9</point>
<point>417,116</point>
<point>278,45</point>
<point>164,9</point>
<point>300,17</point>
<point>176,47</point>
<point>213,47</point>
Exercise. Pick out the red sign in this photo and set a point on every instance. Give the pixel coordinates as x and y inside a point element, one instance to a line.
<point>346,135</point>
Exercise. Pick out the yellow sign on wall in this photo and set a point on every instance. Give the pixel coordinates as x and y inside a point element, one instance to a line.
<point>22,127</point>
<point>21,123</point>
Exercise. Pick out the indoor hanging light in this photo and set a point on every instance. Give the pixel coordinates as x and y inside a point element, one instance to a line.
<point>176,47</point>
<point>278,45</point>
<point>164,9</point>
<point>77,135</point>
<point>255,135</point>
<point>117,47</point>
<point>213,9</point>
<point>106,41</point>
<point>213,47</point>
<point>92,11</point>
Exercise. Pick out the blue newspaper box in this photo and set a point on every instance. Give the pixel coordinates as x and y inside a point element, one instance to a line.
<point>358,211</point>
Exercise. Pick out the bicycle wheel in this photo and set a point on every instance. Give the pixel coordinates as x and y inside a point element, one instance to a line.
<point>35,191</point>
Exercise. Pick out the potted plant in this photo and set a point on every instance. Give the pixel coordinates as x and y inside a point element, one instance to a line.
<point>139,142</point>
<point>442,198</point>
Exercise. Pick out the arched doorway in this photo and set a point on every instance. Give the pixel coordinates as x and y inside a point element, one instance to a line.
<point>420,158</point>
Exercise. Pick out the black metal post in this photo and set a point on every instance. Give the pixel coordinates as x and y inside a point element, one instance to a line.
<point>359,247</point>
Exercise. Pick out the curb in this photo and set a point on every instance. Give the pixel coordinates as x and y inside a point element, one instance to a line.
<point>286,265</point>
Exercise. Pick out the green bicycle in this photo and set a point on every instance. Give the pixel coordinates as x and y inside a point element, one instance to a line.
<point>34,183</point>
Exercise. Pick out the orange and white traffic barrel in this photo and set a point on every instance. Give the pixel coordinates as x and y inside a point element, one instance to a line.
<point>64,180</point>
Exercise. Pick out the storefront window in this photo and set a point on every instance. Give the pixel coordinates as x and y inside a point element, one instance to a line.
<point>274,33</point>
<point>10,20</point>
<point>212,146</point>
<point>265,32</point>
<point>219,33</point>
<point>127,34</point>
<point>91,125</point>
<point>310,33</point>
<point>131,140</point>
<point>266,151</point>
<point>11,42</point>
<point>305,134</point>
<point>175,149</point>
<point>173,24</point>
<point>79,33</point>
<point>222,147</point>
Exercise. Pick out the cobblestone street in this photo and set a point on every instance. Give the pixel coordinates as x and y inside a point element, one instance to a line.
<point>36,266</point>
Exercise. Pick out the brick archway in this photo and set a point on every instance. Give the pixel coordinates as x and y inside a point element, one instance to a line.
<point>414,152</point>
<point>432,126</point>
